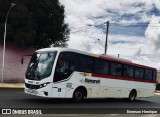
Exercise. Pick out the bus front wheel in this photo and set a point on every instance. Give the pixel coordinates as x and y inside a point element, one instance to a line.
<point>78,96</point>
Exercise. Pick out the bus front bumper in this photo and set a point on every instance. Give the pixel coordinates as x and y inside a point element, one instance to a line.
<point>37,92</point>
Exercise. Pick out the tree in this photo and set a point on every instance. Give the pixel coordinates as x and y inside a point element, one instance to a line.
<point>34,23</point>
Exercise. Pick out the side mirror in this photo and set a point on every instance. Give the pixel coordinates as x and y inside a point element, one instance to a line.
<point>22,61</point>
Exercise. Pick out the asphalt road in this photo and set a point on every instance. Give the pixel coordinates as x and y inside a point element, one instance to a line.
<point>16,98</point>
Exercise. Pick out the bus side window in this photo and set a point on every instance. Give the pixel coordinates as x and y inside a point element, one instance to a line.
<point>63,67</point>
<point>101,66</point>
<point>154,74</point>
<point>116,69</point>
<point>139,72</point>
<point>148,74</point>
<point>128,71</point>
<point>72,67</point>
<point>84,63</point>
<point>74,62</point>
<point>60,64</point>
<point>98,66</point>
<point>105,67</point>
<point>66,66</point>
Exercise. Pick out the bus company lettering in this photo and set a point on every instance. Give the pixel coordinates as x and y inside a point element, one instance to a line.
<point>92,81</point>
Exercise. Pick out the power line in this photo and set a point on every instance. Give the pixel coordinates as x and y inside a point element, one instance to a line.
<point>128,24</point>
<point>133,25</point>
<point>120,25</point>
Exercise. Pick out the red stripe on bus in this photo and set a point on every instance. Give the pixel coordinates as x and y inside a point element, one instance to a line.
<point>122,78</point>
<point>125,62</point>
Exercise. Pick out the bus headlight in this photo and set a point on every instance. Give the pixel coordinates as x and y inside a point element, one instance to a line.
<point>43,85</point>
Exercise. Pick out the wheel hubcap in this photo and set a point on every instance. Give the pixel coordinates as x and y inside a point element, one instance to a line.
<point>132,97</point>
<point>78,95</point>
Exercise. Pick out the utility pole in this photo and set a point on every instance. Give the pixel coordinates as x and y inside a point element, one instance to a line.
<point>106,44</point>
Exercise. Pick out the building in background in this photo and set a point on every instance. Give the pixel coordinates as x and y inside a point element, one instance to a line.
<point>14,71</point>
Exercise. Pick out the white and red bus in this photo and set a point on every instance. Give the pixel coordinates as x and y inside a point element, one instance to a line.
<point>68,73</point>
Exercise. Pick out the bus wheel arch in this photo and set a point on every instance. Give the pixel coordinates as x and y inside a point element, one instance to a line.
<point>79,94</point>
<point>132,95</point>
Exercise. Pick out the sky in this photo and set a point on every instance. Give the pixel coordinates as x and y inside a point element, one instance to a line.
<point>134,28</point>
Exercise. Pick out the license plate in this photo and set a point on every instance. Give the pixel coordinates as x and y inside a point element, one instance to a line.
<point>31,91</point>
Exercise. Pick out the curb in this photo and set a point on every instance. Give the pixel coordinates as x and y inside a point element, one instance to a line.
<point>12,85</point>
<point>157,94</point>
<point>157,91</point>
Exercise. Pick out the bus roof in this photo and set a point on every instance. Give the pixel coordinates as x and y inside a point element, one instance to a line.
<point>106,57</point>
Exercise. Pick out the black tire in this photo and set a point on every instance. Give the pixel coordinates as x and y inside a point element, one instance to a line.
<point>78,96</point>
<point>132,96</point>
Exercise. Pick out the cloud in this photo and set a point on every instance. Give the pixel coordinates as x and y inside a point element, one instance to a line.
<point>134,42</point>
<point>109,9</point>
<point>157,4</point>
<point>153,32</point>
<point>137,54</point>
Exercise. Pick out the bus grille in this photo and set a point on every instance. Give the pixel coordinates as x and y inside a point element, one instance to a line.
<point>30,86</point>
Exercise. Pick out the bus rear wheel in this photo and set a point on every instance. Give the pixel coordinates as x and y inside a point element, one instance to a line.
<point>78,96</point>
<point>132,96</point>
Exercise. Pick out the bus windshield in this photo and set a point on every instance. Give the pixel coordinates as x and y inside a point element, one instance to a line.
<point>40,65</point>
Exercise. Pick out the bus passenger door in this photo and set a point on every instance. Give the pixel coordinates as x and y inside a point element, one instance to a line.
<point>59,90</point>
<point>62,73</point>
